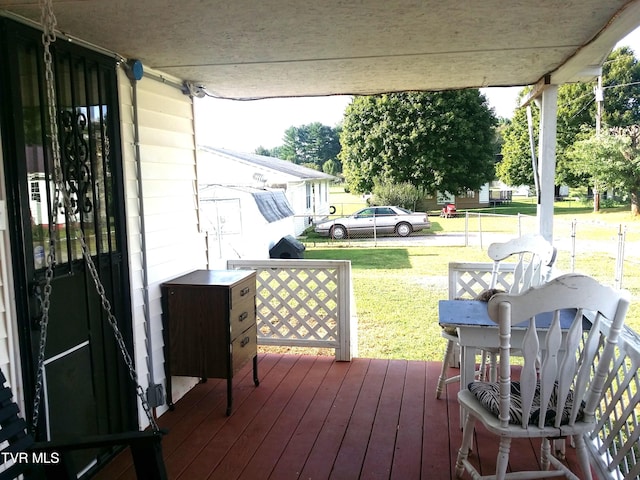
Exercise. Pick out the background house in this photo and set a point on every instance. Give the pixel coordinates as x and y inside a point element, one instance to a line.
<point>306,189</point>
<point>470,199</point>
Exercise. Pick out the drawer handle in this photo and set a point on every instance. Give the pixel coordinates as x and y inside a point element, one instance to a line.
<point>245,341</point>
<point>243,316</point>
<point>244,291</point>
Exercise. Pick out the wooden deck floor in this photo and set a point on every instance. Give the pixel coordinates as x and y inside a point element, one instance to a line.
<point>314,418</point>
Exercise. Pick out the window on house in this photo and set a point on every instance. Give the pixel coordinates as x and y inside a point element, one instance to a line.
<point>35,191</point>
<point>309,193</point>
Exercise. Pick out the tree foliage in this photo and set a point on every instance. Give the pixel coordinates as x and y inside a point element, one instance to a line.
<point>576,112</point>
<point>314,143</point>
<point>275,152</point>
<point>599,157</point>
<point>610,160</point>
<point>331,167</point>
<point>516,165</point>
<point>436,141</point>
<point>314,146</point>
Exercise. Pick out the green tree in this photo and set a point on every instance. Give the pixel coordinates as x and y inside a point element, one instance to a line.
<point>437,141</point>
<point>576,111</point>
<point>621,84</point>
<point>331,167</point>
<point>275,152</point>
<point>262,151</point>
<point>516,167</point>
<point>313,143</point>
<point>594,158</point>
<point>610,160</point>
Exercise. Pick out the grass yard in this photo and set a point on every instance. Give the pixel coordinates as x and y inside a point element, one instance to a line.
<point>397,292</point>
<point>397,288</point>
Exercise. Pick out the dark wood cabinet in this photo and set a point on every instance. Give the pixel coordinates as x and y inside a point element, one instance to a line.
<point>209,321</point>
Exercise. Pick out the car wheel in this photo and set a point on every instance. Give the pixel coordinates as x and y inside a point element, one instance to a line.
<point>338,232</point>
<point>403,229</point>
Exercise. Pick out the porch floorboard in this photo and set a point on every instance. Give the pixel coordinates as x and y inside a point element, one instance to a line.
<point>315,418</point>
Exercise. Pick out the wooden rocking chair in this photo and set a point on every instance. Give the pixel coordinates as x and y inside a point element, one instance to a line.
<point>21,455</point>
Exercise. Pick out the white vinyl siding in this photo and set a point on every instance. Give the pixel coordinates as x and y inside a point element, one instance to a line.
<point>297,196</point>
<point>9,358</point>
<point>9,345</point>
<point>174,243</point>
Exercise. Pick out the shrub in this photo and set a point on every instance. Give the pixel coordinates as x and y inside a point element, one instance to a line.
<point>401,194</point>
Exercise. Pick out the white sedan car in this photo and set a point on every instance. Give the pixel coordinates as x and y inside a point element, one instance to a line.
<point>385,219</point>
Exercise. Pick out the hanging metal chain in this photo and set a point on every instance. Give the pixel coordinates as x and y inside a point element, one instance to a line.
<point>49,23</point>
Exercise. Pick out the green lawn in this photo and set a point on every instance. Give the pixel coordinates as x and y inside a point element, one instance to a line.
<point>397,292</point>
<point>572,209</point>
<point>397,288</point>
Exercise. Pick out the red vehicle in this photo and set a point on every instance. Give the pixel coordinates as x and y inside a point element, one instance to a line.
<point>448,211</point>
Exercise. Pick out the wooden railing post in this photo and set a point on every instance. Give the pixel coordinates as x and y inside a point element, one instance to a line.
<point>347,324</point>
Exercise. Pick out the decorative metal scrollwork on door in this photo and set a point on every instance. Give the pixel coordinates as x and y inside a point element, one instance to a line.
<point>75,160</point>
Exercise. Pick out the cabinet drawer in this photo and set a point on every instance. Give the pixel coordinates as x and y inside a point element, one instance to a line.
<point>244,348</point>
<point>244,290</point>
<point>242,315</point>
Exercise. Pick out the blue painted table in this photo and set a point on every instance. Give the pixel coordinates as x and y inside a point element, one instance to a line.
<point>476,331</point>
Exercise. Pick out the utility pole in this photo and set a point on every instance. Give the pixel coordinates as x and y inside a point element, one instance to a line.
<point>599,101</point>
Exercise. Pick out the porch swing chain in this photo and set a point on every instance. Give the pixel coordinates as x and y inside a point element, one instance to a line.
<point>49,23</point>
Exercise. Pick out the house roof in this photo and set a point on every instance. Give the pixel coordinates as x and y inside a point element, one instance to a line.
<point>276,164</point>
<point>249,49</point>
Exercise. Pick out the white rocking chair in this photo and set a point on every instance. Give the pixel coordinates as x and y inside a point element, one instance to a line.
<point>558,399</point>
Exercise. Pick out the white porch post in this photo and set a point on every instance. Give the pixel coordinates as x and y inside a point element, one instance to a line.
<point>547,160</point>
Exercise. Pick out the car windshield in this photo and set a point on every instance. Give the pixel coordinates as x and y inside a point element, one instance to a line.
<point>404,210</point>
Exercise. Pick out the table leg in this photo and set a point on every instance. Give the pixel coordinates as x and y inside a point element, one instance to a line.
<point>256,380</point>
<point>467,372</point>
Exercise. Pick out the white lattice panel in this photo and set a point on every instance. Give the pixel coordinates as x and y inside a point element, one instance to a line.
<point>616,436</point>
<point>298,304</point>
<point>467,280</point>
<point>304,303</point>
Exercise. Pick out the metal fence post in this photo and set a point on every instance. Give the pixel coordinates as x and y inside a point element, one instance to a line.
<point>622,233</point>
<point>573,245</point>
<point>466,228</point>
<point>375,233</point>
<point>519,224</point>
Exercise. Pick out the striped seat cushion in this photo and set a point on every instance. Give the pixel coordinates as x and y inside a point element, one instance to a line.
<point>488,394</point>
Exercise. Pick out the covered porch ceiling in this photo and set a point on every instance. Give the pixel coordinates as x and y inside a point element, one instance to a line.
<point>276,48</point>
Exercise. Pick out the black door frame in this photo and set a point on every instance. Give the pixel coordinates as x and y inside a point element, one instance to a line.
<point>13,140</point>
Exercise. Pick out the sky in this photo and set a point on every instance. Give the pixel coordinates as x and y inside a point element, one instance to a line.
<point>245,125</point>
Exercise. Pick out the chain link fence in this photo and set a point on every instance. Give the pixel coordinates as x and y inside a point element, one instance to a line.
<point>577,241</point>
<point>355,222</point>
